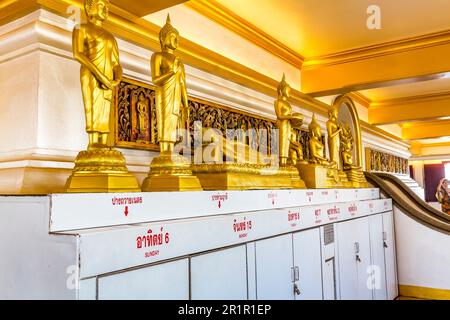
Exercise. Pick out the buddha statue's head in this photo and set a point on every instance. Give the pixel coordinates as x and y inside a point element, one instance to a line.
<point>97,9</point>
<point>168,36</point>
<point>284,89</point>
<point>314,128</point>
<point>333,113</point>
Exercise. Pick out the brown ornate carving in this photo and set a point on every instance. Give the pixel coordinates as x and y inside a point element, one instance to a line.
<point>385,162</point>
<point>258,129</point>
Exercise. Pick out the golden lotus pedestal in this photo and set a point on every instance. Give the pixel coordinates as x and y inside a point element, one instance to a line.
<point>171,173</point>
<point>236,176</point>
<point>101,171</point>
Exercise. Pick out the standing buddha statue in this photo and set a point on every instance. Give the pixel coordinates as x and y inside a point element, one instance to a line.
<point>334,132</point>
<point>100,168</point>
<point>170,171</point>
<point>286,120</point>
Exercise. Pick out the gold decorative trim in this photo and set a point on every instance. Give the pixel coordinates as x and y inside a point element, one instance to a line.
<point>231,21</point>
<point>360,98</point>
<point>381,49</point>
<point>424,292</point>
<point>378,161</point>
<point>212,115</point>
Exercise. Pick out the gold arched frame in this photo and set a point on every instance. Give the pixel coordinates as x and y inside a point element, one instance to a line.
<point>344,100</point>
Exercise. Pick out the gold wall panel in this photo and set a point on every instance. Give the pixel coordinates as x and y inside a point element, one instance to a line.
<point>128,135</point>
<point>385,162</point>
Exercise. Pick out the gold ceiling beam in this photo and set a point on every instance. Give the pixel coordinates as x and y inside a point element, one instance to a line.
<point>410,109</point>
<point>231,21</point>
<point>427,130</point>
<point>410,60</point>
<point>142,8</point>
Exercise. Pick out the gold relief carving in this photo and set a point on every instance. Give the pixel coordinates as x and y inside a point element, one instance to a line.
<point>256,130</point>
<point>385,162</point>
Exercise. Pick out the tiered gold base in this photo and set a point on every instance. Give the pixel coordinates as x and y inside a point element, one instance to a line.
<point>319,177</point>
<point>171,173</point>
<point>356,177</point>
<point>235,176</point>
<point>101,170</point>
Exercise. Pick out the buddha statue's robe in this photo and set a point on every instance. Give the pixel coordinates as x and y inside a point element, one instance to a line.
<point>101,49</point>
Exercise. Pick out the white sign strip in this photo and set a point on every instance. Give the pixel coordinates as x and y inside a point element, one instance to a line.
<point>103,251</point>
<point>84,211</point>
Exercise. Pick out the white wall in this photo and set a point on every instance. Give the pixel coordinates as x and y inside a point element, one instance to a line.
<point>423,254</point>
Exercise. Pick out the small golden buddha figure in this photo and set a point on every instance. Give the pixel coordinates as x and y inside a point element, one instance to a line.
<point>347,146</point>
<point>170,171</point>
<point>286,120</point>
<point>334,133</point>
<point>316,147</point>
<point>296,149</point>
<point>142,110</point>
<point>354,174</point>
<point>172,109</point>
<point>100,168</point>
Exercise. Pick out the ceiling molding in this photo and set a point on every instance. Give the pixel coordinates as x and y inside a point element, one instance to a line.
<point>360,98</point>
<point>423,108</point>
<point>231,21</point>
<point>381,49</point>
<point>412,99</point>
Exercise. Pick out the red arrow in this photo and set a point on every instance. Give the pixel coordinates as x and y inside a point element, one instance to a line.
<point>126,211</point>
<point>219,204</point>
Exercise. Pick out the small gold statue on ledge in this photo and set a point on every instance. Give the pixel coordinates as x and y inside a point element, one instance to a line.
<point>334,135</point>
<point>354,174</point>
<point>286,121</point>
<point>318,173</point>
<point>170,171</point>
<point>100,168</point>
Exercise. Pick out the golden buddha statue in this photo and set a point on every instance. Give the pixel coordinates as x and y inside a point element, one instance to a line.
<point>295,149</point>
<point>334,133</point>
<point>170,171</point>
<point>142,110</point>
<point>316,147</point>
<point>354,173</point>
<point>318,173</point>
<point>286,120</point>
<point>100,168</point>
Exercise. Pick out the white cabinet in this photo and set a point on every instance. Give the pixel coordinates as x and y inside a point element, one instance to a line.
<point>377,270</point>
<point>329,262</point>
<point>166,281</point>
<point>307,264</point>
<point>289,267</point>
<point>274,269</point>
<point>390,255</point>
<point>221,275</point>
<point>354,259</point>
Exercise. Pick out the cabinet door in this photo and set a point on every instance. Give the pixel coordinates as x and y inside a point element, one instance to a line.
<point>390,256</point>
<point>167,281</point>
<point>274,264</point>
<point>378,270</point>
<point>329,262</point>
<point>354,259</point>
<point>307,261</point>
<point>221,275</point>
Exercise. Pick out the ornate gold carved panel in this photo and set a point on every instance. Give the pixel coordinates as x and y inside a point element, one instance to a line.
<point>136,120</point>
<point>385,162</point>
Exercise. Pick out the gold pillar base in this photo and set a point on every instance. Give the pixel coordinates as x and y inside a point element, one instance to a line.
<point>101,171</point>
<point>317,176</point>
<point>235,176</point>
<point>171,173</point>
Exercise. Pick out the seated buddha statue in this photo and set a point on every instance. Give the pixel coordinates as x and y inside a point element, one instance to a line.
<point>316,147</point>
